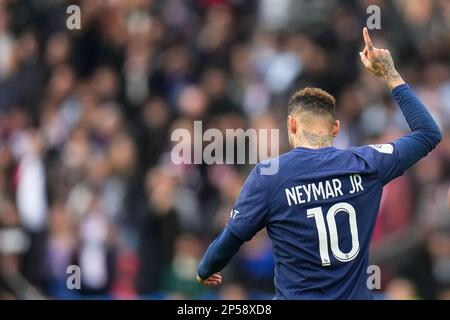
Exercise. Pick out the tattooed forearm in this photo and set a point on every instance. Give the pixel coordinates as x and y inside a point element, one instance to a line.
<point>384,67</point>
<point>319,139</point>
<point>380,63</point>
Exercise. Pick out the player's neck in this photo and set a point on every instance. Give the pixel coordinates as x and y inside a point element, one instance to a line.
<point>312,140</point>
<point>309,146</point>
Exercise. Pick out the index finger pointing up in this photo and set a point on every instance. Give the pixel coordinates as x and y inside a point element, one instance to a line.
<point>367,39</point>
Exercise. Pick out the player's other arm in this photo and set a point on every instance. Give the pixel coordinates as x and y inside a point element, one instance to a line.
<point>425,134</point>
<point>219,253</point>
<point>248,216</point>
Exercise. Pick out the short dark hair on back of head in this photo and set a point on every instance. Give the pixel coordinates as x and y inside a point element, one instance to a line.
<point>314,100</point>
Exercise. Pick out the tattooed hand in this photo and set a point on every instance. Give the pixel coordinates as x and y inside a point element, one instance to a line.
<point>380,63</point>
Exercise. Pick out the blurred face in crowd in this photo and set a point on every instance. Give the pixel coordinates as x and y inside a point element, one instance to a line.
<point>160,187</point>
<point>58,49</point>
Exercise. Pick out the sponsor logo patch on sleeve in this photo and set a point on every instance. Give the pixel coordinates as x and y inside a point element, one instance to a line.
<point>383,148</point>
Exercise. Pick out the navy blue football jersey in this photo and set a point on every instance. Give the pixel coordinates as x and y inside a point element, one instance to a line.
<point>320,210</point>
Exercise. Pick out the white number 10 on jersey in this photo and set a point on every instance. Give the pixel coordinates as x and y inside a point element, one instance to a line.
<point>317,213</point>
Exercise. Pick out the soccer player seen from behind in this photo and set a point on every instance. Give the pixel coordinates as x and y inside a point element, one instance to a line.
<point>321,207</point>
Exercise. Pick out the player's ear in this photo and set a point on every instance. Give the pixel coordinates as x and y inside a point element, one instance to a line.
<point>336,127</point>
<point>448,198</point>
<point>292,124</point>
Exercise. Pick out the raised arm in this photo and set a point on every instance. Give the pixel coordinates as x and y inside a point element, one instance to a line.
<point>425,133</point>
<point>380,63</point>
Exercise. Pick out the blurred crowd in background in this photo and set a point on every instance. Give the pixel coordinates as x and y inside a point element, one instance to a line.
<point>86,118</point>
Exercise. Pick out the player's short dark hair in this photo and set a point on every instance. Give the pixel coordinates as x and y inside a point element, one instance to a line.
<point>314,100</point>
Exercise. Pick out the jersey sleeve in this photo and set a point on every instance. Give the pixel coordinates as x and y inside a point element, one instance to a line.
<point>385,159</point>
<point>391,160</point>
<point>250,212</point>
<point>219,253</point>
